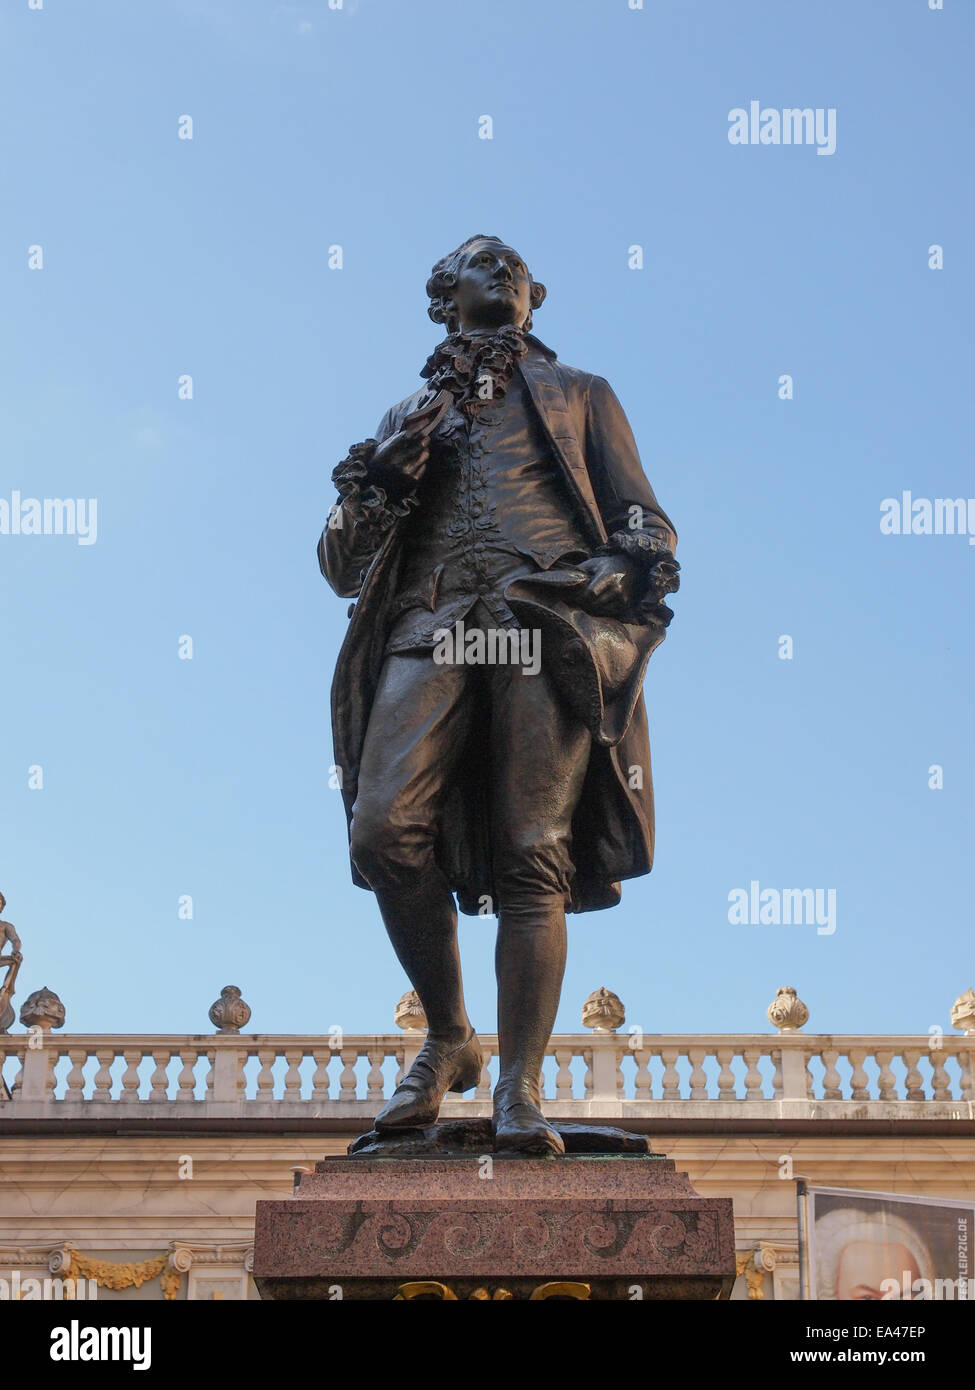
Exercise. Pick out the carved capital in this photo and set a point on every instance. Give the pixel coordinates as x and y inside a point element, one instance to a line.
<point>59,1261</point>
<point>772,1256</point>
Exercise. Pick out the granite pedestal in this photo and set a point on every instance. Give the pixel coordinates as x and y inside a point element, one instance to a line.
<point>458,1224</point>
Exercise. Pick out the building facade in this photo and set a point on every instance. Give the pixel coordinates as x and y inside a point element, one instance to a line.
<point>136,1161</point>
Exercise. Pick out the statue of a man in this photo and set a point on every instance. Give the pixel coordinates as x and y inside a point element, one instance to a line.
<point>506,500</point>
<point>8,937</point>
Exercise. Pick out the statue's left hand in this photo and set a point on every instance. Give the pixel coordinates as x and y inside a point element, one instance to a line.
<point>613,585</point>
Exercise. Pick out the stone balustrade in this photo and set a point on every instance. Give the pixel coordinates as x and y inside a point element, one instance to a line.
<point>298,1080</point>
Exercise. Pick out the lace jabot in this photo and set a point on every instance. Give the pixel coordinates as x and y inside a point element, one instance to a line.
<point>475,367</point>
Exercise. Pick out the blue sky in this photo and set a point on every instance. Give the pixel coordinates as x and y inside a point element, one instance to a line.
<point>358,127</point>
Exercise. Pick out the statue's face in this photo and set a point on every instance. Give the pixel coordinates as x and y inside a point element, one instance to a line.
<point>493,288</point>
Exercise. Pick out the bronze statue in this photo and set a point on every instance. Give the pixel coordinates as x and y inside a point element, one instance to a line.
<point>8,936</point>
<point>501,506</point>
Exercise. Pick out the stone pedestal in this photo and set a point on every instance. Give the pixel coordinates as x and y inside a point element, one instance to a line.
<point>620,1226</point>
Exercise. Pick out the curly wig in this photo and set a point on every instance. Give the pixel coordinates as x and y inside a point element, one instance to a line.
<point>443,278</point>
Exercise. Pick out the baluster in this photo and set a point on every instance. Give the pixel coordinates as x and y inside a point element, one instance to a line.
<point>699,1080</point>
<point>831,1077</point>
<point>965,1063</point>
<point>320,1082</point>
<point>375,1079</point>
<point>587,1078</point>
<point>543,1084</point>
<point>245,1056</point>
<point>753,1077</point>
<point>671,1076</point>
<point>160,1079</point>
<point>940,1082</point>
<point>265,1076</point>
<point>212,1059</point>
<point>130,1077</point>
<point>19,1063</point>
<point>563,1077</point>
<point>885,1078</point>
<point>187,1080</point>
<point>105,1056</point>
<point>913,1086</point>
<point>642,1080</point>
<point>347,1081</point>
<point>777,1074</point>
<point>858,1078</point>
<point>75,1091</point>
<point>292,1077</point>
<point>482,1090</point>
<point>727,1089</point>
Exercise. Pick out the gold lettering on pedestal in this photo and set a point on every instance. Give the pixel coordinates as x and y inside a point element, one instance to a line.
<point>443,1293</point>
<point>425,1288</point>
<point>562,1289</point>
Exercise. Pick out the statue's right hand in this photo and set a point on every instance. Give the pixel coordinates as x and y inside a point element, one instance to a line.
<point>400,462</point>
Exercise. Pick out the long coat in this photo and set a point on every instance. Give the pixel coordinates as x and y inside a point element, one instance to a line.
<point>612,830</point>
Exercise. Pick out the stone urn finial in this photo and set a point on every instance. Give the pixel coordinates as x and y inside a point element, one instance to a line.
<point>603,1011</point>
<point>787,1011</point>
<point>42,1009</point>
<point>409,1014</point>
<point>229,1013</point>
<point>963,1012</point>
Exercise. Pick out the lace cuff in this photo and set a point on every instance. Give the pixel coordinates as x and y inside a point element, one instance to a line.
<point>363,501</point>
<point>659,571</point>
<point>638,545</point>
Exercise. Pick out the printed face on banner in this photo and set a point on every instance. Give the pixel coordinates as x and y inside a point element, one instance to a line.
<point>867,1246</point>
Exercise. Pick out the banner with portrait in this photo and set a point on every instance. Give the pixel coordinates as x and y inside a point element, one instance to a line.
<point>858,1246</point>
